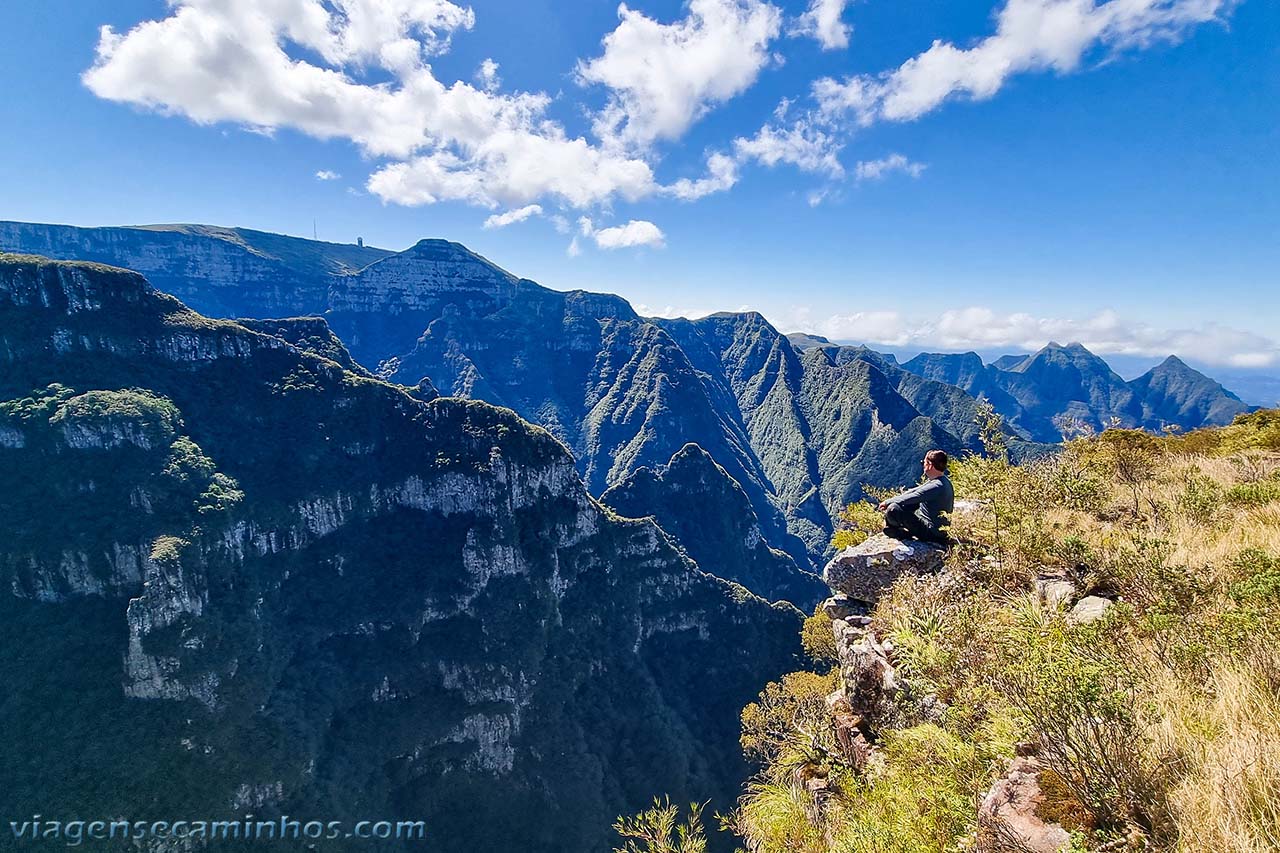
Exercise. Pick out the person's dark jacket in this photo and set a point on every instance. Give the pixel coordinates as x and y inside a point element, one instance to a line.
<point>931,499</point>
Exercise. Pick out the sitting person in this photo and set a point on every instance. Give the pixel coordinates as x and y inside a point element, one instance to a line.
<point>921,513</point>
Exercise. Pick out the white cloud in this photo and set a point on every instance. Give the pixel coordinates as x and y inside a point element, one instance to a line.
<point>664,77</point>
<point>519,214</point>
<point>226,61</point>
<point>327,175</point>
<point>981,328</point>
<point>488,77</point>
<point>361,70</point>
<point>801,144</point>
<point>516,167</point>
<point>822,21</point>
<point>1031,35</point>
<point>874,170</point>
<point>671,312</point>
<point>722,174</point>
<point>637,232</point>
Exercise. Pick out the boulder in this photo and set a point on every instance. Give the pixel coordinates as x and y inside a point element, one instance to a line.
<point>1088,609</point>
<point>1007,818</point>
<point>871,683</point>
<point>1055,591</point>
<point>863,572</point>
<point>841,606</point>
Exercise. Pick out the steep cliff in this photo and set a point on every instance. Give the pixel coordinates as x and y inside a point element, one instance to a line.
<point>239,577</point>
<point>695,500</point>
<point>222,272</point>
<point>822,425</point>
<point>800,433</point>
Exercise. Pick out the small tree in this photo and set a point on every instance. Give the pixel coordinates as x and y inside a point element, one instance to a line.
<point>986,476</point>
<point>655,830</point>
<point>1132,454</point>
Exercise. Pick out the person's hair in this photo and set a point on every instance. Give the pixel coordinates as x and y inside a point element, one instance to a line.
<point>938,459</point>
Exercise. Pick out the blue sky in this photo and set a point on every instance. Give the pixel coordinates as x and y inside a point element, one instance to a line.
<point>943,174</point>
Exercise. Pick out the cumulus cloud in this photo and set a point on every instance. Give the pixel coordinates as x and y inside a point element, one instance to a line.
<point>361,70</point>
<point>822,22</point>
<point>1105,333</point>
<point>799,143</point>
<point>327,175</point>
<point>664,77</point>
<point>1031,35</point>
<point>520,214</point>
<point>637,232</point>
<point>874,170</point>
<point>722,174</point>
<point>226,61</point>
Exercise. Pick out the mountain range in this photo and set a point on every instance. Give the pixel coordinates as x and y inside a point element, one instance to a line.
<point>798,423</point>
<point>243,575</point>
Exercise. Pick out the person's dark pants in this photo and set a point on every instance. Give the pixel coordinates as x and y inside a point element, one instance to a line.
<point>902,523</point>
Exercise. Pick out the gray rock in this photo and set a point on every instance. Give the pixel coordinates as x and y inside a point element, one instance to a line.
<point>871,683</point>
<point>1089,609</point>
<point>841,606</point>
<point>864,571</point>
<point>1055,591</point>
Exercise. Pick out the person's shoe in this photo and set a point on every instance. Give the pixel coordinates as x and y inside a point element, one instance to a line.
<point>896,532</point>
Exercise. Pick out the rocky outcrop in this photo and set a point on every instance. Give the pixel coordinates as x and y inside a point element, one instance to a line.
<point>1062,592</point>
<point>862,572</point>
<point>309,334</point>
<point>1007,816</point>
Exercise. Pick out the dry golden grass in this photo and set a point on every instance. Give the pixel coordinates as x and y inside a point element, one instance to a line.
<point>1226,739</point>
<point>1162,720</point>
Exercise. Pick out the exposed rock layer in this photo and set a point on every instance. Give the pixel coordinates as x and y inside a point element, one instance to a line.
<point>236,573</point>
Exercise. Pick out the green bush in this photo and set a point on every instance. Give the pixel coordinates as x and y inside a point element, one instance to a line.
<point>1259,493</point>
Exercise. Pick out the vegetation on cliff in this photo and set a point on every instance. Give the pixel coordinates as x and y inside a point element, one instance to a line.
<point>1112,611</point>
<point>238,577</point>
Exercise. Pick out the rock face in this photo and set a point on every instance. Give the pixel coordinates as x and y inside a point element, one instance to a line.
<point>800,424</point>
<point>1091,608</point>
<point>309,334</point>
<point>222,272</point>
<point>800,437</point>
<point>1007,816</point>
<point>269,580</point>
<point>863,572</point>
<point>697,502</point>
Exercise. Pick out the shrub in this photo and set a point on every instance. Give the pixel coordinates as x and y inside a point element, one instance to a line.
<point>1257,493</point>
<point>818,638</point>
<point>656,830</point>
<point>856,523</point>
<point>1200,498</point>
